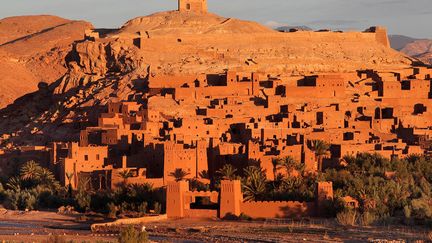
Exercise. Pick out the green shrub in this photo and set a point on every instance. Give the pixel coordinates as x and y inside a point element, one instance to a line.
<point>46,199</point>
<point>244,216</point>
<point>2,192</point>
<point>20,200</point>
<point>367,219</point>
<point>83,200</point>
<point>348,217</point>
<point>157,208</point>
<point>131,235</point>
<point>422,208</point>
<point>112,211</point>
<point>142,208</point>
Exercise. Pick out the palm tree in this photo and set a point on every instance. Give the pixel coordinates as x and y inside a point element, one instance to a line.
<point>320,148</point>
<point>204,174</point>
<point>179,174</point>
<point>277,164</point>
<point>227,172</point>
<point>84,184</point>
<point>14,184</point>
<point>30,170</point>
<point>254,184</point>
<point>125,175</point>
<point>69,177</point>
<point>47,178</point>
<point>290,164</point>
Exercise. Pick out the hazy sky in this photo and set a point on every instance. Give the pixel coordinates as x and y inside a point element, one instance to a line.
<point>408,17</point>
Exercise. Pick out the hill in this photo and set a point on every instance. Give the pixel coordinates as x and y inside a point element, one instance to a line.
<point>417,48</point>
<point>421,49</point>
<point>398,42</point>
<point>33,50</point>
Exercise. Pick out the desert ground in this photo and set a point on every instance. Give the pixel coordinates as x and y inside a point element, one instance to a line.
<point>37,226</point>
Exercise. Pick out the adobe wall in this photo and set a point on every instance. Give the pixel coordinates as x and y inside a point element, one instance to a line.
<point>235,48</point>
<point>240,44</point>
<point>278,209</point>
<point>380,35</point>
<point>191,160</point>
<point>200,213</point>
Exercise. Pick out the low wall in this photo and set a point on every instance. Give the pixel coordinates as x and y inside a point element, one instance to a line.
<point>123,222</point>
<point>200,213</point>
<point>278,209</point>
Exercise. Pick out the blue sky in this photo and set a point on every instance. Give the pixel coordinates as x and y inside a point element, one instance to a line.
<point>408,17</point>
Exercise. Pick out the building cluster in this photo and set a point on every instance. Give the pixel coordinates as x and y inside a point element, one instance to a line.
<point>200,123</point>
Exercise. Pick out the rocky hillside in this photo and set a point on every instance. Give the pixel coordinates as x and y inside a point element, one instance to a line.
<point>33,49</point>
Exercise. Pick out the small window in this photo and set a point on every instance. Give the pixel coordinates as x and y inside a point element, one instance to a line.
<point>97,157</point>
<point>188,6</point>
<point>86,157</point>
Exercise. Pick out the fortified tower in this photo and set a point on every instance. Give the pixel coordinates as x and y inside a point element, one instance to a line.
<point>196,6</point>
<point>231,198</point>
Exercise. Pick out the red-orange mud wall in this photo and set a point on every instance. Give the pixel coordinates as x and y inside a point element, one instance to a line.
<point>278,209</point>
<point>200,213</point>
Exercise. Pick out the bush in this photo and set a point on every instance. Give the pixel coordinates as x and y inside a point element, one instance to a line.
<point>422,209</point>
<point>347,217</point>
<point>83,200</point>
<point>2,192</point>
<point>332,207</point>
<point>11,200</point>
<point>55,239</point>
<point>100,202</point>
<point>112,211</point>
<point>142,208</point>
<point>131,235</point>
<point>46,199</point>
<point>157,208</point>
<point>367,219</point>
<point>244,216</point>
<point>20,200</point>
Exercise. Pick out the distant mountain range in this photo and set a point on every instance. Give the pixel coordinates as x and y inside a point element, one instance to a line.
<point>417,48</point>
<point>293,28</point>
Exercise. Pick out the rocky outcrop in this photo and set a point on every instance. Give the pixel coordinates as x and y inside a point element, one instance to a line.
<point>34,50</point>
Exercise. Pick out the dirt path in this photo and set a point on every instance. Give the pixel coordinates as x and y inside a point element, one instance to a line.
<point>37,226</point>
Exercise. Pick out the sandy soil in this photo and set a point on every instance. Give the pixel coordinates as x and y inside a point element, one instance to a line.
<point>37,226</point>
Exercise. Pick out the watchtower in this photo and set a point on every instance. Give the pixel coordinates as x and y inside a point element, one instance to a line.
<point>196,6</point>
<point>231,198</point>
<point>324,192</point>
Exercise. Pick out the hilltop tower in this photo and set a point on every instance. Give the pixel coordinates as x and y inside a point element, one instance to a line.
<point>196,6</point>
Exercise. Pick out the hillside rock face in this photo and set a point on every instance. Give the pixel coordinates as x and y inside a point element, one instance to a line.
<point>33,49</point>
<point>115,65</point>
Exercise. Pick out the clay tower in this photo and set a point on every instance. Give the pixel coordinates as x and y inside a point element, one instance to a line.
<point>196,6</point>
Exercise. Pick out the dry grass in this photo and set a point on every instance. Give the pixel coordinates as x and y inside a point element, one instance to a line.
<point>347,218</point>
